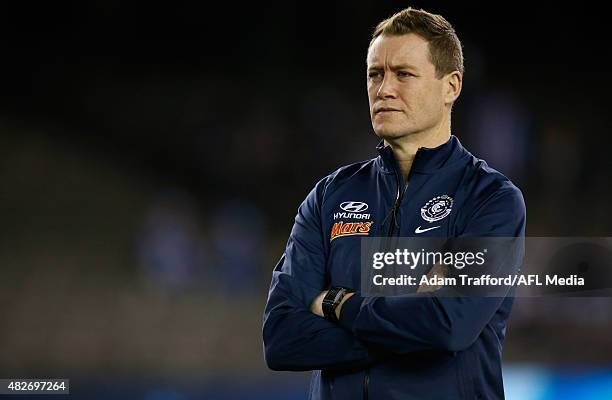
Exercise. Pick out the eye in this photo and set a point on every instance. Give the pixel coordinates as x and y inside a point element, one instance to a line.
<point>374,74</point>
<point>404,74</point>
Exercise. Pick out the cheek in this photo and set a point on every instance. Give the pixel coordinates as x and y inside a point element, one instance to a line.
<point>371,94</point>
<point>436,96</point>
<point>426,99</point>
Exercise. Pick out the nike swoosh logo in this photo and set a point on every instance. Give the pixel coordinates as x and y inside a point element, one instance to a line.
<point>419,230</point>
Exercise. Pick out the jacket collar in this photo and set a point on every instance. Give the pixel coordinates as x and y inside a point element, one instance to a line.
<point>426,160</point>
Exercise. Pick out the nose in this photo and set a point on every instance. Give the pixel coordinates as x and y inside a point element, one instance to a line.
<point>387,88</point>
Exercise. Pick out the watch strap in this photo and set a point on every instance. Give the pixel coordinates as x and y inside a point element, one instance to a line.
<point>332,300</point>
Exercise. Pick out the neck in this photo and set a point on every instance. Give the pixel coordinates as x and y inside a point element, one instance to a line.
<point>405,147</point>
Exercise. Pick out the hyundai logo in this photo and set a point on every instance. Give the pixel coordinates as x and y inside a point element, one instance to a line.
<point>354,206</point>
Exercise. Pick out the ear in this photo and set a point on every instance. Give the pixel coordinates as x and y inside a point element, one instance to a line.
<point>452,86</point>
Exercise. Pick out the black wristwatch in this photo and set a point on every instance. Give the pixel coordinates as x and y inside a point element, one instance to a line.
<point>332,299</point>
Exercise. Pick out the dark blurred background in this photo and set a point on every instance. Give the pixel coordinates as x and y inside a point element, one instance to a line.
<point>152,158</point>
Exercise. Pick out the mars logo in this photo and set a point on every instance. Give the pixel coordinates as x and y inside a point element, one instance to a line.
<point>342,228</point>
<point>437,208</point>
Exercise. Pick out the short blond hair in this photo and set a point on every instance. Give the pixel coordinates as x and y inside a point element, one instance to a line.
<point>444,46</point>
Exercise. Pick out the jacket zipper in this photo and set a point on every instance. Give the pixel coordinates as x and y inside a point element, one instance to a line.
<point>366,382</point>
<point>398,201</point>
<point>390,232</point>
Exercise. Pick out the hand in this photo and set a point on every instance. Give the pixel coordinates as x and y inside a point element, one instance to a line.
<point>437,270</point>
<point>317,304</point>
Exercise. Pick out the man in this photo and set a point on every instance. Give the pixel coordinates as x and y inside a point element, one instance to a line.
<point>423,183</point>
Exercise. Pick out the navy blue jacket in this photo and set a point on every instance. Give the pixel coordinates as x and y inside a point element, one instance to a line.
<point>421,347</point>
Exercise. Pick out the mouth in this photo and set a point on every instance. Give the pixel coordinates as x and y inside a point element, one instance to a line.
<point>384,110</point>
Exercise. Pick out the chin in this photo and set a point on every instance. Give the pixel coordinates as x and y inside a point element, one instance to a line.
<point>390,132</point>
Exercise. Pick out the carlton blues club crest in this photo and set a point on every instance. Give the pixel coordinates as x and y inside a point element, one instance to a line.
<point>437,208</point>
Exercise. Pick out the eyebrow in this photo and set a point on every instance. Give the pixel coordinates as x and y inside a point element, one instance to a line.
<point>393,67</point>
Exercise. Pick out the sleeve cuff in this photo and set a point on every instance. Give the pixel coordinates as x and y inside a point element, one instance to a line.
<point>349,311</point>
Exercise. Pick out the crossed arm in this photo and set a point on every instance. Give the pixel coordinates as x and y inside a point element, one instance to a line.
<point>297,338</point>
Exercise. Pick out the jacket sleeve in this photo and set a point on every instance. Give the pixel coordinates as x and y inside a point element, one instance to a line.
<point>415,323</point>
<point>294,338</point>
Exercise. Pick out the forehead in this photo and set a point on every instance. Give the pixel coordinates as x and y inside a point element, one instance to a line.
<point>395,50</point>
